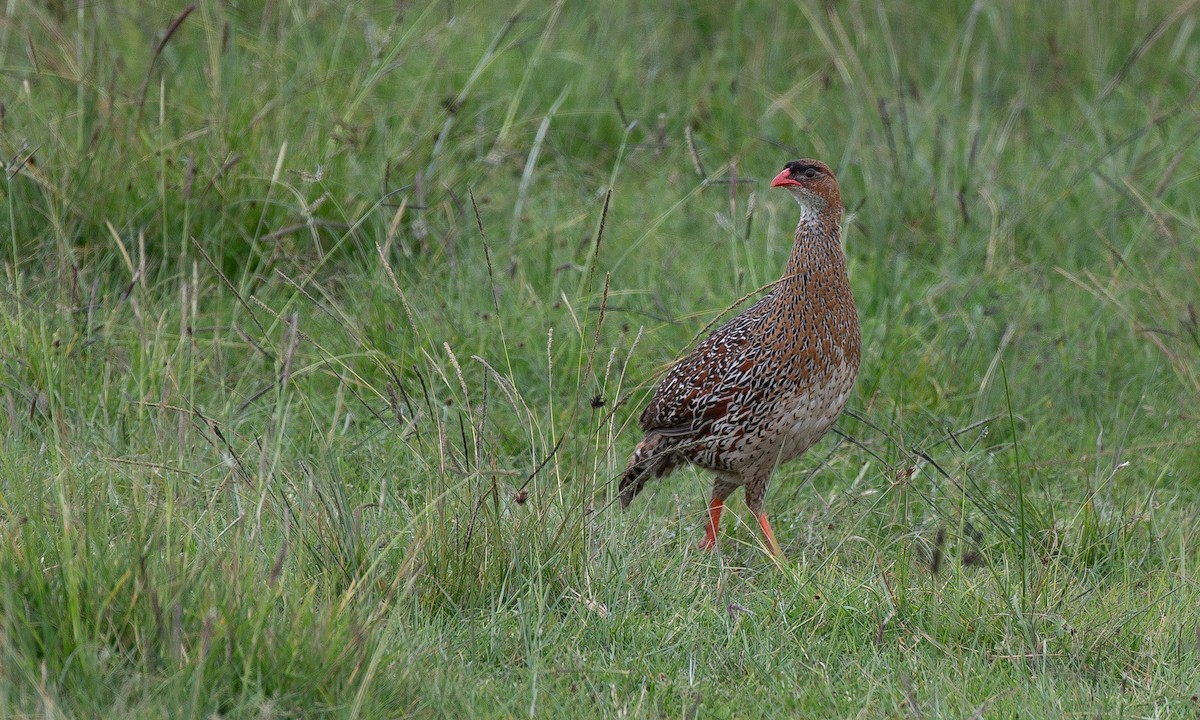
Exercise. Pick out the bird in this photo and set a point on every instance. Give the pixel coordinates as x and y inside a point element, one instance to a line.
<point>764,387</point>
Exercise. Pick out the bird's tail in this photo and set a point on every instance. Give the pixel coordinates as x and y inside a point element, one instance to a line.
<point>652,458</point>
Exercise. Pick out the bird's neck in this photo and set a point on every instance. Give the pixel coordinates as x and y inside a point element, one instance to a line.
<point>817,249</point>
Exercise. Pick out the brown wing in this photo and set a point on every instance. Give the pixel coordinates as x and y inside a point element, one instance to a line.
<point>700,387</point>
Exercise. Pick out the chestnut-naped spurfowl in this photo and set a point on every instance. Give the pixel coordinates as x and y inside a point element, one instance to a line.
<point>772,381</point>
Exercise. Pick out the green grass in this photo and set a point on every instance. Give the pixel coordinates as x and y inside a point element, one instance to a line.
<point>307,311</point>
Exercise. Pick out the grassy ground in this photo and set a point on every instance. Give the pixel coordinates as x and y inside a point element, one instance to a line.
<point>324,331</point>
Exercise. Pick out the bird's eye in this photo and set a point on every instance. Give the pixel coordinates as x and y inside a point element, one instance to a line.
<point>810,172</point>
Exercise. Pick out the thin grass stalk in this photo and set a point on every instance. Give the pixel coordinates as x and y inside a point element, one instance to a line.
<point>1021,527</point>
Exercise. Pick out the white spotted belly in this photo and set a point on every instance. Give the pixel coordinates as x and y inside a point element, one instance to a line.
<point>810,414</point>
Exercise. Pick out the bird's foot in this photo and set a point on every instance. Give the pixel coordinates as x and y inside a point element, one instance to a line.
<point>714,520</point>
<point>769,536</point>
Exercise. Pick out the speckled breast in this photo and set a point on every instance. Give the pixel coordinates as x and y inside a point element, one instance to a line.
<point>806,416</point>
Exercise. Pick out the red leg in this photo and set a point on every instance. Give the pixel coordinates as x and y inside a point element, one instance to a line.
<point>770,536</point>
<point>714,520</point>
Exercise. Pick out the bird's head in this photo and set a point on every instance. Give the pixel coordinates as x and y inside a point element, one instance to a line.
<point>812,183</point>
